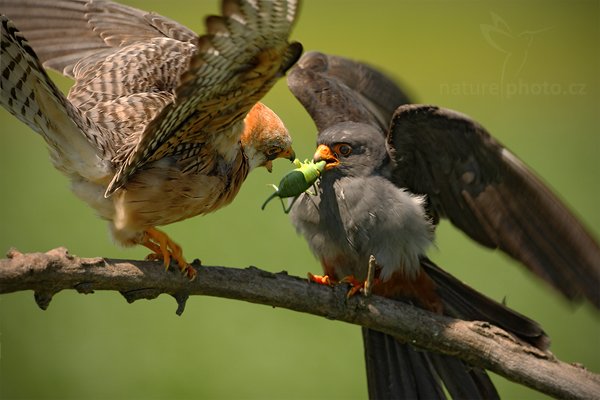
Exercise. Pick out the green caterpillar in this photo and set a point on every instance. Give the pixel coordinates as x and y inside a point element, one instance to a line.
<point>296,182</point>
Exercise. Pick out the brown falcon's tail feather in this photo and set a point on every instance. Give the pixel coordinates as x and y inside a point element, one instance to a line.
<point>397,370</point>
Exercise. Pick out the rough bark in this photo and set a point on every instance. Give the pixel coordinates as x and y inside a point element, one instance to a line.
<point>478,343</point>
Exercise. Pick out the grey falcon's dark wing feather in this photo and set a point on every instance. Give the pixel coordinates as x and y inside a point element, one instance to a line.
<point>63,32</point>
<point>335,89</point>
<point>492,196</point>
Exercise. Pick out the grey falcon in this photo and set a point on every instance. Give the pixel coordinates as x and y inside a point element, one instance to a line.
<point>393,171</point>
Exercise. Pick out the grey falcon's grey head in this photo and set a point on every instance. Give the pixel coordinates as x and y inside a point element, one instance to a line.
<point>352,149</point>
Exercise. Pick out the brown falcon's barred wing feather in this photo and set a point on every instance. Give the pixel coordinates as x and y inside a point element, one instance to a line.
<point>63,32</point>
<point>334,89</point>
<point>30,95</point>
<point>492,196</point>
<point>238,60</point>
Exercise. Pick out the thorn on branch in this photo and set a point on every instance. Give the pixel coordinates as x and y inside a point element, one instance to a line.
<point>181,299</point>
<point>93,262</point>
<point>13,253</point>
<point>60,252</point>
<point>137,294</point>
<point>43,299</point>
<point>261,272</point>
<point>85,288</point>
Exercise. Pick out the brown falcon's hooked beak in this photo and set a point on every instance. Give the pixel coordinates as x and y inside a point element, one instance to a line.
<point>324,153</point>
<point>288,153</point>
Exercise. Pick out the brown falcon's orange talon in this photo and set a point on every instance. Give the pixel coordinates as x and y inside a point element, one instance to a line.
<point>158,242</point>
<point>165,249</point>
<point>156,251</point>
<point>320,279</point>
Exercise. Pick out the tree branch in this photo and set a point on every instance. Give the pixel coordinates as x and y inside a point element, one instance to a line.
<point>478,343</point>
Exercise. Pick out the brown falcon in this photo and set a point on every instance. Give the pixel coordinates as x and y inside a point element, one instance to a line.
<point>161,124</point>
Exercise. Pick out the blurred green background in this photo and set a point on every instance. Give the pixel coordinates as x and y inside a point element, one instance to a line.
<point>532,81</point>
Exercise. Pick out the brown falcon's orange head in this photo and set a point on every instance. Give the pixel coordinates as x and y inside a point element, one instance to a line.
<point>265,138</point>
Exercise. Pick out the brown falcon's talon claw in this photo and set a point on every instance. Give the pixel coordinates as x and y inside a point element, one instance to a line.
<point>165,249</point>
<point>189,272</point>
<point>185,268</point>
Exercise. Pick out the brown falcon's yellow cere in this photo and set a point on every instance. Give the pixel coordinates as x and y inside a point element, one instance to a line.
<point>161,124</point>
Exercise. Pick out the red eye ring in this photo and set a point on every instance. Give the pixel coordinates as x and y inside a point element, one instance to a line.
<point>343,149</point>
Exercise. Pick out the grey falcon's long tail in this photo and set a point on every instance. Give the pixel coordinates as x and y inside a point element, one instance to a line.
<point>30,95</point>
<point>400,371</point>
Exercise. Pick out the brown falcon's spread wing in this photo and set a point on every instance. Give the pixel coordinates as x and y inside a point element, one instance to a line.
<point>492,196</point>
<point>66,31</point>
<point>335,89</point>
<point>237,61</point>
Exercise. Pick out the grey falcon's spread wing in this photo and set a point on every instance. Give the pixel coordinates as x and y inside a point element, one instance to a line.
<point>63,32</point>
<point>237,61</point>
<point>492,196</point>
<point>335,89</point>
<point>467,176</point>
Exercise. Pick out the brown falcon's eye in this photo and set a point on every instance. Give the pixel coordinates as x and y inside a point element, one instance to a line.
<point>273,152</point>
<point>343,149</point>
